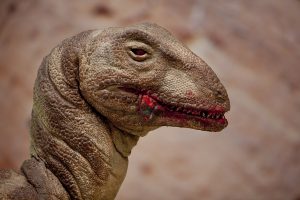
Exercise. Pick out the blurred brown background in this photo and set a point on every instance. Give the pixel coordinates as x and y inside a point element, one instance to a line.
<point>253,46</point>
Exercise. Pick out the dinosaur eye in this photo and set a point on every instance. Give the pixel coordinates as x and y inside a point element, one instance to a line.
<point>138,52</point>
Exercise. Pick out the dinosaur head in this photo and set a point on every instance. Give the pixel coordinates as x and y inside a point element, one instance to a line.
<point>141,78</point>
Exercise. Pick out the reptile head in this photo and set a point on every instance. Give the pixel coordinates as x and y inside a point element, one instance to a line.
<point>141,78</point>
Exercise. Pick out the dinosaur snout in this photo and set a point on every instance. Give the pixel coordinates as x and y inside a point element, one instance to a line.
<point>222,98</point>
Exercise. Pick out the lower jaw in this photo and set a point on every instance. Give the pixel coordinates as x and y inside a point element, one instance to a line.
<point>176,120</point>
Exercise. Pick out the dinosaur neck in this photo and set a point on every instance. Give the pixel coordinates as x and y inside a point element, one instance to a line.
<point>80,147</point>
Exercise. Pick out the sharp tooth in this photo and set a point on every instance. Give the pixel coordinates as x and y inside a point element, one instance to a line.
<point>218,116</point>
<point>203,114</point>
<point>178,109</point>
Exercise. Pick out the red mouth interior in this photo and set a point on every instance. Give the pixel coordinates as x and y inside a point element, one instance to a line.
<point>150,105</point>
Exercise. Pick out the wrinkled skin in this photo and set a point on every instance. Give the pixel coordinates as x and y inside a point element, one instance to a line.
<point>95,95</point>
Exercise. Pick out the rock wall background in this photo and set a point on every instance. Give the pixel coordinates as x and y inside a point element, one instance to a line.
<point>254,47</point>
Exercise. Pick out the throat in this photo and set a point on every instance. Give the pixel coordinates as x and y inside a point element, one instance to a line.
<point>123,141</point>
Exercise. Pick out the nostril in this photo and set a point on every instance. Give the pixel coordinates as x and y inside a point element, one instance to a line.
<point>220,96</point>
<point>219,93</point>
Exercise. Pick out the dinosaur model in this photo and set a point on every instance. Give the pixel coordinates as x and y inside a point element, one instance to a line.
<point>95,94</point>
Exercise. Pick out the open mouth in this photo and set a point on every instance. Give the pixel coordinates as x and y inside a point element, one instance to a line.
<point>151,105</point>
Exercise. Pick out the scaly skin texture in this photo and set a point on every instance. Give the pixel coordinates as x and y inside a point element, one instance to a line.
<point>95,95</point>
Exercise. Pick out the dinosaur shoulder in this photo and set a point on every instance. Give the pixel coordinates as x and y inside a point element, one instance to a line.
<point>14,186</point>
<point>43,180</point>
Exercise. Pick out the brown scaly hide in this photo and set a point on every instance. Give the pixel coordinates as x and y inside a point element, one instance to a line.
<point>95,95</point>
